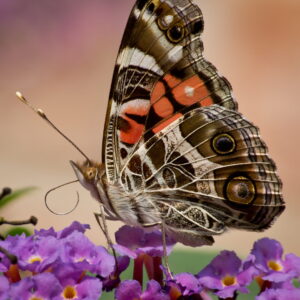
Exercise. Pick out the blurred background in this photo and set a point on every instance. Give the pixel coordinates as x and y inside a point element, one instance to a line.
<point>61,55</point>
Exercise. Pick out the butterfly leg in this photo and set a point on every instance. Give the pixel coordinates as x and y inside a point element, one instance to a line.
<point>164,242</point>
<point>166,259</point>
<point>101,220</point>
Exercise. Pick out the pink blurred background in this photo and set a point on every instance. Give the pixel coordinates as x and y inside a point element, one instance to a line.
<point>61,55</point>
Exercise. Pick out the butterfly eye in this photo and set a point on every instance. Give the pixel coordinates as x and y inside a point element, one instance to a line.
<point>176,33</point>
<point>240,189</point>
<point>90,173</point>
<point>223,144</point>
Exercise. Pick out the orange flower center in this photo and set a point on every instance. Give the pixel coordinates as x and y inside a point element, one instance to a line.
<point>33,259</point>
<point>69,292</point>
<point>228,280</point>
<point>274,265</point>
<point>174,293</point>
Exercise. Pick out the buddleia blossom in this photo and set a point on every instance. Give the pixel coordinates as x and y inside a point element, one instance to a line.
<point>267,259</point>
<point>224,275</point>
<point>274,272</point>
<point>280,294</point>
<point>4,288</point>
<point>182,285</point>
<point>41,286</point>
<point>131,289</point>
<point>146,248</point>
<point>67,265</point>
<point>59,266</point>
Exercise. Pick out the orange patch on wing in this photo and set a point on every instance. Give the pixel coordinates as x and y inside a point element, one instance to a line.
<point>190,91</point>
<point>157,92</point>
<point>206,102</point>
<point>163,107</point>
<point>131,130</point>
<point>171,80</point>
<point>165,123</point>
<point>132,133</point>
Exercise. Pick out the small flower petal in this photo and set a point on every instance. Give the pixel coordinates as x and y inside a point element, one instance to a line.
<point>154,291</point>
<point>89,289</point>
<point>128,290</point>
<point>140,241</point>
<point>4,288</point>
<point>189,283</point>
<point>75,226</point>
<point>279,294</point>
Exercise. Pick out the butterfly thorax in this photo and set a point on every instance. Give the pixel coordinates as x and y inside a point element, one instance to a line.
<point>131,208</point>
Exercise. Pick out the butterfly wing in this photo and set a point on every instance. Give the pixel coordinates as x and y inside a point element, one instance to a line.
<point>206,171</point>
<point>160,74</point>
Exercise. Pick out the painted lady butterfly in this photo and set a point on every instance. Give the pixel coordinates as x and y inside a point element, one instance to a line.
<point>175,150</point>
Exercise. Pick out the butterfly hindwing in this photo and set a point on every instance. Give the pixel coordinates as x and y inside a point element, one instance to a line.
<point>160,74</point>
<point>206,171</point>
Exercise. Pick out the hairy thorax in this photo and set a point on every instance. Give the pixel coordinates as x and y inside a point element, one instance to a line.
<point>133,208</point>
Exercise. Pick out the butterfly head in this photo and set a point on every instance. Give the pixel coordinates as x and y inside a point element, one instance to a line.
<point>88,173</point>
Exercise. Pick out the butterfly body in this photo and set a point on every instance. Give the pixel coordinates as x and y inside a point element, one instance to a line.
<point>175,150</point>
<point>130,207</point>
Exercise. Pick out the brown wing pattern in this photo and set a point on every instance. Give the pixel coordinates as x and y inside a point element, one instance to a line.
<point>206,171</point>
<point>160,74</point>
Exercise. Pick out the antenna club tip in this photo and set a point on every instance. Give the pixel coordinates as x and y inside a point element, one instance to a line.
<point>41,113</point>
<point>21,97</point>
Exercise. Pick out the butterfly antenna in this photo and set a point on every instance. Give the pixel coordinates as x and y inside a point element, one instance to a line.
<point>55,188</point>
<point>43,116</point>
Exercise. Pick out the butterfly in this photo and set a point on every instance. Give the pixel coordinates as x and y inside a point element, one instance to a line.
<point>176,150</point>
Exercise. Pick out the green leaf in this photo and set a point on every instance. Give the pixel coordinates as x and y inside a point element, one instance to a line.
<point>18,231</point>
<point>16,194</point>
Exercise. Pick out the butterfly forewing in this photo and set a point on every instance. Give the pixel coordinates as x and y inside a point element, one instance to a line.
<point>160,72</point>
<point>176,151</point>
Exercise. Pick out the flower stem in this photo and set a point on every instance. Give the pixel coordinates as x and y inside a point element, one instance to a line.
<point>149,265</point>
<point>158,273</point>
<point>138,269</point>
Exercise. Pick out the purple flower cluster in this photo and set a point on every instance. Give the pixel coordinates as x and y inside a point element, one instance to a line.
<point>227,276</point>
<point>66,265</point>
<point>60,265</point>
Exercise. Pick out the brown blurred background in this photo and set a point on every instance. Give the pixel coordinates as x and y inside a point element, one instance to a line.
<point>61,55</point>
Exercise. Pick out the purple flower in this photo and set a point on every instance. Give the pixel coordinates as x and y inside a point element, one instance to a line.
<point>41,286</point>
<point>4,288</point>
<point>224,276</point>
<point>137,241</point>
<point>13,244</point>
<point>79,250</point>
<point>37,255</point>
<point>279,294</point>
<point>181,285</point>
<point>188,283</point>
<point>87,289</point>
<point>4,262</point>
<point>34,254</point>
<point>113,280</point>
<point>75,284</point>
<point>266,258</point>
<point>146,248</point>
<point>132,290</point>
<point>75,226</point>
